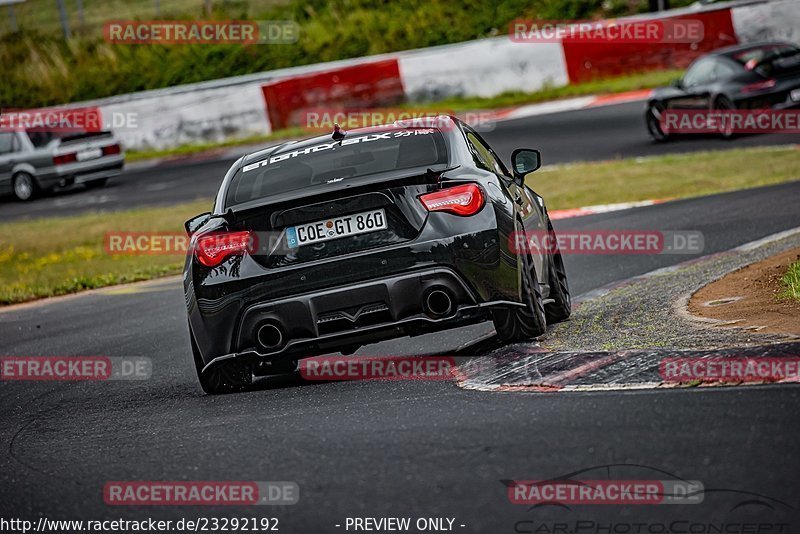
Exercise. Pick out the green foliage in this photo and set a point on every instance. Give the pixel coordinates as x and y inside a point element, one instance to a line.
<point>40,68</point>
<point>791,282</point>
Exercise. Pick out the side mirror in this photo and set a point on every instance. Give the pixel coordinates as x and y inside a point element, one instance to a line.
<point>524,161</point>
<point>196,222</point>
<point>677,83</point>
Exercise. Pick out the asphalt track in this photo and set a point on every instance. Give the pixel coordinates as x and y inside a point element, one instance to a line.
<point>409,449</point>
<point>600,133</point>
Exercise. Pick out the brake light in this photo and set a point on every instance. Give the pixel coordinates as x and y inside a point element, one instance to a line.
<point>63,159</point>
<point>758,86</point>
<point>461,200</point>
<point>111,150</point>
<point>211,249</point>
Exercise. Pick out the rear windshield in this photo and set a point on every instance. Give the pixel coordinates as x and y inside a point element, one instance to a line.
<point>331,161</point>
<point>41,139</point>
<point>765,55</point>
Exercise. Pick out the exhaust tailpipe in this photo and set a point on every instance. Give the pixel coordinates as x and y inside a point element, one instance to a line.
<point>438,303</point>
<point>269,336</point>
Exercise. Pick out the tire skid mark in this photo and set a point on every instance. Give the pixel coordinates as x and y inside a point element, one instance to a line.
<point>22,430</point>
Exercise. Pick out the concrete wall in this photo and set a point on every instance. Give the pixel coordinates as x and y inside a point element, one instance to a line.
<point>242,106</point>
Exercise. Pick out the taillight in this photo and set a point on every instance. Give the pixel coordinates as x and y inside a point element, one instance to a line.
<point>63,159</point>
<point>758,86</point>
<point>462,200</point>
<point>111,150</point>
<point>211,249</point>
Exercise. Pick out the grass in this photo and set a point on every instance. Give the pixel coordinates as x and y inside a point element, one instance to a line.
<point>37,262</point>
<point>41,68</point>
<point>631,82</point>
<point>43,14</point>
<point>792,282</point>
<point>663,177</point>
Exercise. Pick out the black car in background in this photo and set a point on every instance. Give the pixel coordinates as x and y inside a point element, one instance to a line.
<point>338,241</point>
<point>752,76</point>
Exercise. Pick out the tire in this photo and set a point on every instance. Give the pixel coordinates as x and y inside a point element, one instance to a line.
<point>653,123</point>
<point>723,104</point>
<point>561,307</point>
<point>227,377</point>
<point>518,323</point>
<point>25,187</point>
<point>94,184</point>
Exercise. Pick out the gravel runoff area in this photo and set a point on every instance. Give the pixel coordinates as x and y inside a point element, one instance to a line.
<point>619,334</point>
<point>754,296</point>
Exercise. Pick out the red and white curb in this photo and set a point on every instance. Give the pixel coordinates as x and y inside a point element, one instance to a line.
<point>601,208</point>
<point>560,106</point>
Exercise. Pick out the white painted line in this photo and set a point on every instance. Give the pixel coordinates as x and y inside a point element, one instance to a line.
<point>766,240</point>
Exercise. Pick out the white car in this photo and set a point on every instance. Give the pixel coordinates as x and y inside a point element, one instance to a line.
<point>32,162</point>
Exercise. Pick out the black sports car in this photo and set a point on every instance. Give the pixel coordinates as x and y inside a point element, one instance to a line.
<point>337,241</point>
<point>751,76</point>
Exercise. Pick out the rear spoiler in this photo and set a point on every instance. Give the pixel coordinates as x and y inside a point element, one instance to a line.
<point>420,175</point>
<point>79,136</point>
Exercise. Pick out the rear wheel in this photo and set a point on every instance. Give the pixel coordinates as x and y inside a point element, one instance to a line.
<point>652,119</point>
<point>723,104</point>
<point>523,323</point>
<point>25,186</point>
<point>226,377</point>
<point>561,307</point>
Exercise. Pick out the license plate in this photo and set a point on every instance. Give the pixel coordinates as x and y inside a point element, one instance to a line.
<point>92,153</point>
<point>315,232</point>
<point>795,95</point>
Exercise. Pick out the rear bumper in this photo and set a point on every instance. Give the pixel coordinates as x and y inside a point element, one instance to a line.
<point>87,171</point>
<point>779,98</point>
<point>360,313</point>
<point>350,300</point>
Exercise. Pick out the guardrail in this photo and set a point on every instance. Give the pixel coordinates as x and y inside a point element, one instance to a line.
<point>256,104</point>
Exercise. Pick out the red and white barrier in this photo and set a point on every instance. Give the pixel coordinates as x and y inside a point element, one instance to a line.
<point>482,68</point>
<point>257,104</point>
<point>354,86</point>
<point>587,60</point>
